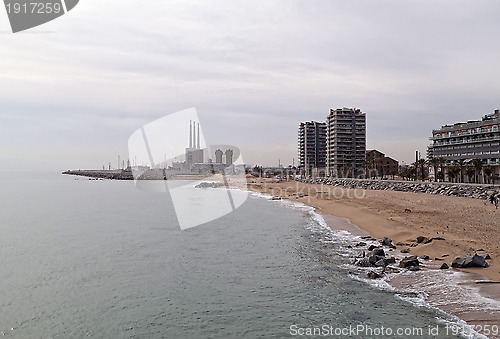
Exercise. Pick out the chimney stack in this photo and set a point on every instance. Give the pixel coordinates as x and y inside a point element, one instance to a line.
<point>198,144</point>
<point>190,136</point>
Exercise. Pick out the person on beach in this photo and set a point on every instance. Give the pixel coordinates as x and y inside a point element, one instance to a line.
<point>492,198</point>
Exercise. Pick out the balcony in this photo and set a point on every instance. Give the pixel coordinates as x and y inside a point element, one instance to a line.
<point>469,141</point>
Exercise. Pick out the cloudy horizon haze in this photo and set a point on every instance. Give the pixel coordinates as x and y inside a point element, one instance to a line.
<point>72,91</point>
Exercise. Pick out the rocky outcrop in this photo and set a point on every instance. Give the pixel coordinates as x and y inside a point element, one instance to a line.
<point>470,261</point>
<point>440,188</point>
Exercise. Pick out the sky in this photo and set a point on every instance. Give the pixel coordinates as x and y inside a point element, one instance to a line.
<point>74,90</point>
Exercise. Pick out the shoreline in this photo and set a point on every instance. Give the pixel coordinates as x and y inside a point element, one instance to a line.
<point>362,220</point>
<point>383,214</point>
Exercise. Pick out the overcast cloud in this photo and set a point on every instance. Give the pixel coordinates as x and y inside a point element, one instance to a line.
<point>73,90</point>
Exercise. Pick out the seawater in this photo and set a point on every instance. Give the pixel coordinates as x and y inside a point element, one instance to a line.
<point>94,258</point>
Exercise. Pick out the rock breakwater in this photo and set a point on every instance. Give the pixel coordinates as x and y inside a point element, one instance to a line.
<point>439,188</point>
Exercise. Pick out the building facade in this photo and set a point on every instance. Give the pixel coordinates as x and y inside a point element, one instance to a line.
<point>346,142</point>
<point>378,165</point>
<point>467,141</point>
<point>312,146</point>
<point>464,142</point>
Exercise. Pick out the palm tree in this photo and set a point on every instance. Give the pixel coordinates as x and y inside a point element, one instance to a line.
<point>478,165</point>
<point>470,171</point>
<point>435,164</point>
<point>420,165</point>
<point>461,163</point>
<point>442,162</point>
<point>454,171</point>
<point>488,170</point>
<point>413,172</point>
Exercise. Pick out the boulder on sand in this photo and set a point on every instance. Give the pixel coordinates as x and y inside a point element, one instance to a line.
<point>409,262</point>
<point>378,251</point>
<point>469,261</point>
<point>421,239</point>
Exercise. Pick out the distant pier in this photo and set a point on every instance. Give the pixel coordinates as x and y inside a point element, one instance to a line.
<point>102,174</point>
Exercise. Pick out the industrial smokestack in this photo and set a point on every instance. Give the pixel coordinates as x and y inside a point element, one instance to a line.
<point>194,134</point>
<point>190,136</point>
<point>198,144</point>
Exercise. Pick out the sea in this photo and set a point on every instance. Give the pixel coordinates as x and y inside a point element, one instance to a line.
<point>101,258</point>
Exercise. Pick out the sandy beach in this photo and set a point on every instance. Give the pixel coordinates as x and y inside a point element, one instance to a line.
<point>464,223</point>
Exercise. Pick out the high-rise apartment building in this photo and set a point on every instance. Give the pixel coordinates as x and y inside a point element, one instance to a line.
<point>312,146</point>
<point>468,140</point>
<point>346,142</point>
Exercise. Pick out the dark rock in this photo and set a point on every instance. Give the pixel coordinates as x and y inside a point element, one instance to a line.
<point>480,250</point>
<point>360,244</point>
<point>409,261</point>
<point>372,247</point>
<point>424,257</point>
<point>469,261</point>
<point>414,268</point>
<point>407,250</point>
<point>390,260</point>
<point>438,259</point>
<point>438,238</point>
<point>487,257</point>
<point>414,245</point>
<point>381,263</point>
<point>363,262</point>
<point>374,258</point>
<point>378,251</point>
<point>477,261</point>
<point>444,266</point>
<point>428,241</point>
<point>458,262</point>
<point>386,242</point>
<point>421,239</point>
<point>402,244</point>
<point>374,275</point>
